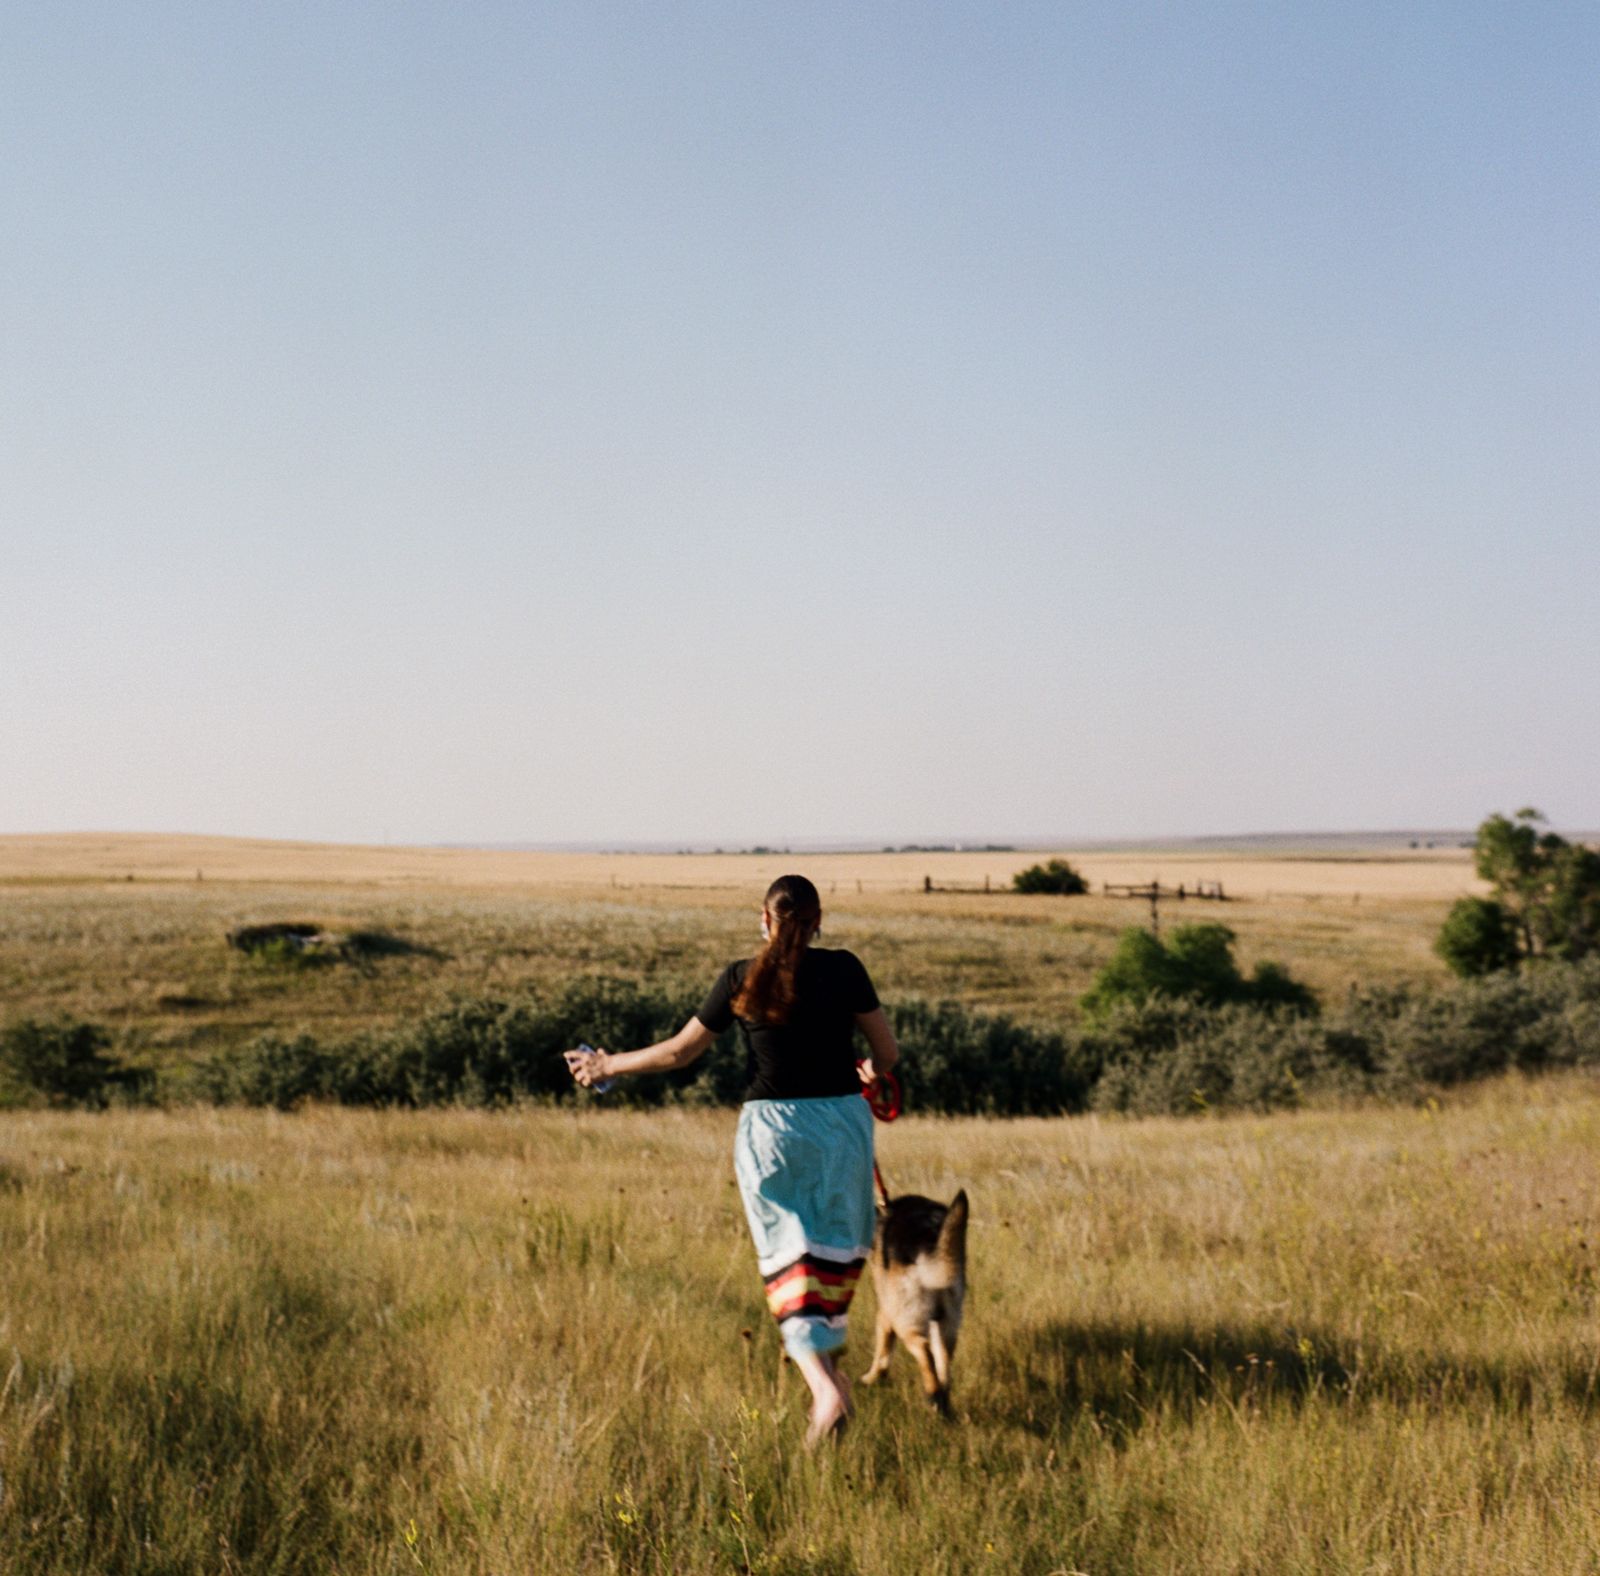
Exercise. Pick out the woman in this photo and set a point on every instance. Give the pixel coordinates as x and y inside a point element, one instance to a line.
<point>803,1154</point>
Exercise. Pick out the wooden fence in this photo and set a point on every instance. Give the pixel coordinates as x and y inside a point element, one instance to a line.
<point>1154,892</point>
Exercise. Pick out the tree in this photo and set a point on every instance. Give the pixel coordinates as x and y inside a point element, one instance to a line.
<point>1055,875</point>
<point>1570,921</point>
<point>1197,965</point>
<point>1546,900</point>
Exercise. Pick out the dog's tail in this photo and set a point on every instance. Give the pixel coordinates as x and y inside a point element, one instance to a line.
<point>943,1267</point>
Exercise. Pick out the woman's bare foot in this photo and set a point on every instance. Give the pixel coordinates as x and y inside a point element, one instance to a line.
<point>830,1396</point>
<point>829,1414</point>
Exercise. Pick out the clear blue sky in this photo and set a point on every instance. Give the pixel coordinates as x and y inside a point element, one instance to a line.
<point>765,421</point>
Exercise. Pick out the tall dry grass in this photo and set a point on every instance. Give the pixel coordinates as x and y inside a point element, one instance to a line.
<point>459,1342</point>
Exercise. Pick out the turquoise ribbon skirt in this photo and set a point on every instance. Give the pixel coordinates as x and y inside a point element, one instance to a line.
<point>805,1175</point>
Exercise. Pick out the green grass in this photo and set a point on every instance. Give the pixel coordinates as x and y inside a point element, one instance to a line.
<point>451,1341</point>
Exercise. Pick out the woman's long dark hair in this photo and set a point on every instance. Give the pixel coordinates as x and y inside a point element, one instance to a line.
<point>768,992</point>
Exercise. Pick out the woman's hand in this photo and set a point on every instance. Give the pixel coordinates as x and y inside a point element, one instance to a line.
<point>588,1067</point>
<point>867,1073</point>
<point>593,1068</point>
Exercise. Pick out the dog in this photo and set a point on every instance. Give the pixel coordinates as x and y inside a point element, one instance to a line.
<point>919,1271</point>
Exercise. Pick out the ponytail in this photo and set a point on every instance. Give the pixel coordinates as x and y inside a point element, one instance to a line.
<point>768,992</point>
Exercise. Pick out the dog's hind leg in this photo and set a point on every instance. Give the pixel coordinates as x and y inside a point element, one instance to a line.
<point>933,1387</point>
<point>884,1345</point>
<point>940,1353</point>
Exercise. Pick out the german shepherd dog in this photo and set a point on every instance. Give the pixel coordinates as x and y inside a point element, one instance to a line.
<point>919,1271</point>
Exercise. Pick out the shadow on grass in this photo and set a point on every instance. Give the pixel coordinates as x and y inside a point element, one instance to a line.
<point>1124,1375</point>
<point>305,944</point>
<point>371,945</point>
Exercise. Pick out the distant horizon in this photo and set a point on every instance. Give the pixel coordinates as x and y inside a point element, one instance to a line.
<point>1388,839</point>
<point>974,845</point>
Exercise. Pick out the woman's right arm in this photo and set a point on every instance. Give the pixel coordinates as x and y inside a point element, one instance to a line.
<point>885,1048</point>
<point>690,1042</point>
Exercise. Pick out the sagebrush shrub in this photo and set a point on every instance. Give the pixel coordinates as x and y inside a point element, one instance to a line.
<point>69,1063</point>
<point>1169,1054</point>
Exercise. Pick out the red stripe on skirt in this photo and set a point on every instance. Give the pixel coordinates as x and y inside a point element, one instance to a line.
<point>834,1274</point>
<point>803,1289</point>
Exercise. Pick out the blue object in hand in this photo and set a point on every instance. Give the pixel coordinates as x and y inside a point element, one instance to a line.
<point>605,1083</point>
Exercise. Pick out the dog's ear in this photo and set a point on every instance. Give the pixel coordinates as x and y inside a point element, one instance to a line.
<point>953,1232</point>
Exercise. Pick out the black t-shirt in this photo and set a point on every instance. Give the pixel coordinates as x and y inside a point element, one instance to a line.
<point>812,1056</point>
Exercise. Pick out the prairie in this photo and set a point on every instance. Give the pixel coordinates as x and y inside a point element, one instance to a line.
<point>130,930</point>
<point>454,1341</point>
<point>533,1340</point>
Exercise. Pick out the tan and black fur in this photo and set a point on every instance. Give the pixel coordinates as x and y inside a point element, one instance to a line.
<point>919,1271</point>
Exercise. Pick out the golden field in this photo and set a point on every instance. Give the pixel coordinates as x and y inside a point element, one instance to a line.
<point>129,930</point>
<point>1381,874</point>
<point>456,1341</point>
<point>460,1342</point>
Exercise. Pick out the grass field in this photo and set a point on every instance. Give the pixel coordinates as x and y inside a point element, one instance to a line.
<point>118,929</point>
<point>454,1341</point>
<point>458,1342</point>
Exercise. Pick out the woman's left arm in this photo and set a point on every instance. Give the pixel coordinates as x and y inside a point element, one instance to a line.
<point>880,1038</point>
<point>693,1040</point>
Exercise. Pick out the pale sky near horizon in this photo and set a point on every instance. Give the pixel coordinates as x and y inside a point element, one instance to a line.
<point>755,422</point>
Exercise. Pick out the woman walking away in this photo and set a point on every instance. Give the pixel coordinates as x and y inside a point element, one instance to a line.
<point>803,1154</point>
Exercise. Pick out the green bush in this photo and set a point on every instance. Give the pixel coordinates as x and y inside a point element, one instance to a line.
<point>957,1061</point>
<point>1159,1053</point>
<point>480,1051</point>
<point>1197,965</point>
<point>1478,937</point>
<point>1531,1020</point>
<point>68,1063</point>
<point>1178,1057</point>
<point>273,1069</point>
<point>1167,1056</point>
<point>1272,986</point>
<point>487,1051</point>
<point>1054,876</point>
